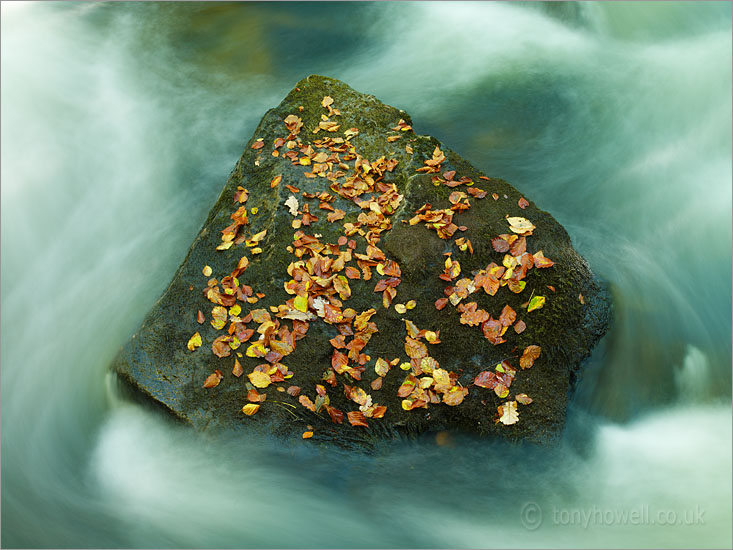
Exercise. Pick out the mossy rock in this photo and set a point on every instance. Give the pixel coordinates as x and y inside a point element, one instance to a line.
<point>156,363</point>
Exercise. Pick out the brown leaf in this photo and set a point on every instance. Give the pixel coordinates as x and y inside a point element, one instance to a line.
<point>237,370</point>
<point>307,403</point>
<point>519,326</point>
<point>356,418</point>
<point>507,317</point>
<point>523,398</point>
<point>200,318</point>
<point>293,390</point>
<point>531,353</point>
<point>523,203</point>
<point>337,416</point>
<point>213,379</point>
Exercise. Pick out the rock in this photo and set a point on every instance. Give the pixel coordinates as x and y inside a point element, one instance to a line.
<point>156,362</point>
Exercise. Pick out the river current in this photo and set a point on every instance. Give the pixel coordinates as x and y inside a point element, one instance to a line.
<point>121,123</point>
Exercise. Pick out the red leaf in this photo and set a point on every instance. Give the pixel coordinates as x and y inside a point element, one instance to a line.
<point>523,203</point>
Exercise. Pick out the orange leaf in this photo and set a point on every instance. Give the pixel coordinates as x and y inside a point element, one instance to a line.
<point>528,357</point>
<point>519,327</point>
<point>307,435</point>
<point>213,379</point>
<point>523,203</point>
<point>356,418</point>
<point>237,370</point>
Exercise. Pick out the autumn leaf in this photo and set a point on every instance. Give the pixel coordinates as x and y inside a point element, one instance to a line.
<point>440,303</point>
<point>259,379</point>
<point>581,299</point>
<point>486,379</point>
<point>207,271</point>
<point>327,100</point>
<point>307,403</point>
<point>454,396</point>
<point>501,390</point>
<point>356,418</point>
<point>293,390</point>
<point>507,317</point>
<point>307,435</point>
<point>523,203</point>
<point>237,370</point>
<point>522,226</point>
<point>213,379</point>
<point>200,318</point>
<point>220,347</point>
<point>250,408</point>
<point>194,342</point>
<point>536,303</point>
<point>218,317</point>
<point>541,261</point>
<point>381,367</point>
<point>523,398</point>
<point>275,181</point>
<point>530,354</point>
<point>414,348</point>
<point>508,413</point>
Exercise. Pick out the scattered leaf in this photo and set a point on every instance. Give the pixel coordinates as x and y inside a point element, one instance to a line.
<point>250,408</point>
<point>237,370</point>
<point>307,435</point>
<point>207,271</point>
<point>536,303</point>
<point>259,379</point>
<point>508,413</point>
<point>523,398</point>
<point>213,379</point>
<point>530,354</point>
<point>194,342</point>
<point>523,203</point>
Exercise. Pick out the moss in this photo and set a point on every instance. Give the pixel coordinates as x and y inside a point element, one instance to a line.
<point>157,362</point>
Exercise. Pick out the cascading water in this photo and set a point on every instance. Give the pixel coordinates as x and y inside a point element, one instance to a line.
<point>120,124</point>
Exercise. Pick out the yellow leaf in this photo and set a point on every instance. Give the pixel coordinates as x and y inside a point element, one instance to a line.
<point>301,303</point>
<point>235,310</point>
<point>207,271</point>
<point>194,342</point>
<point>508,413</point>
<point>259,379</point>
<point>411,304</point>
<point>225,245</point>
<point>307,435</point>
<point>400,308</point>
<point>536,303</point>
<point>250,408</point>
<point>405,366</point>
<point>381,367</point>
<point>254,210</point>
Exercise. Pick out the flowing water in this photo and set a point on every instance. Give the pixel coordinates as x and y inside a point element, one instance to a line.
<point>120,124</point>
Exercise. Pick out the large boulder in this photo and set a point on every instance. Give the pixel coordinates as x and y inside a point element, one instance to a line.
<point>344,244</point>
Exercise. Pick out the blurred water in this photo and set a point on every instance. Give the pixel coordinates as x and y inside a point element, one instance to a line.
<point>120,123</point>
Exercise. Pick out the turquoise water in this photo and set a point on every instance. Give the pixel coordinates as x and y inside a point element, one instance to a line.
<point>120,123</point>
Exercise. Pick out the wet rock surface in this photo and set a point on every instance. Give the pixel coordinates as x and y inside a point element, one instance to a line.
<point>379,183</point>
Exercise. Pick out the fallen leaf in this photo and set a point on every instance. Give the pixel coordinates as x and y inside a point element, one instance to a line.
<point>200,318</point>
<point>523,203</point>
<point>581,299</point>
<point>194,342</point>
<point>529,355</point>
<point>356,418</point>
<point>519,326</point>
<point>259,379</point>
<point>523,398</point>
<point>522,226</point>
<point>293,390</point>
<point>327,100</point>
<point>275,181</point>
<point>213,379</point>
<point>508,413</point>
<point>541,261</point>
<point>292,204</point>
<point>307,435</point>
<point>237,370</point>
<point>207,271</point>
<point>250,408</point>
<point>536,303</point>
<point>507,317</point>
